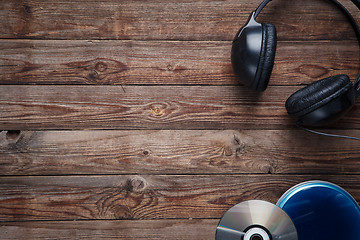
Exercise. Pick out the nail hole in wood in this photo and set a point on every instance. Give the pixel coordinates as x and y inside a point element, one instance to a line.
<point>13,134</point>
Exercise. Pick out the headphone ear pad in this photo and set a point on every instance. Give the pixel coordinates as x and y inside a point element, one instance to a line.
<point>267,57</point>
<point>331,95</point>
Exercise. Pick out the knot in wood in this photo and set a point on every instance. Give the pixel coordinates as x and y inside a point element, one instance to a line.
<point>137,184</point>
<point>122,212</point>
<point>157,110</point>
<point>175,68</point>
<point>240,147</point>
<point>15,141</point>
<point>313,71</point>
<point>170,67</point>
<point>228,151</point>
<point>93,75</point>
<point>13,134</point>
<point>27,9</point>
<point>101,66</point>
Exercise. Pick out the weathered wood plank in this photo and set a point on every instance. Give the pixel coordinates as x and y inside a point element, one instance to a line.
<point>212,166</point>
<point>147,107</point>
<point>176,152</point>
<point>164,19</point>
<point>163,62</point>
<point>200,229</point>
<point>143,197</point>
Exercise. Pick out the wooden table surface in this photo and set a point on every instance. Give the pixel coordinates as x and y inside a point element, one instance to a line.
<point>123,119</point>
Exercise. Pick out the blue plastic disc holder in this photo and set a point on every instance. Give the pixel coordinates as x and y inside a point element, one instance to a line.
<point>322,211</point>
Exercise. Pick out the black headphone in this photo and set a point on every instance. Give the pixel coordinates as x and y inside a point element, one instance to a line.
<point>319,103</point>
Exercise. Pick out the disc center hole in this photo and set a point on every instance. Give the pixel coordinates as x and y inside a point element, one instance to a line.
<point>256,237</point>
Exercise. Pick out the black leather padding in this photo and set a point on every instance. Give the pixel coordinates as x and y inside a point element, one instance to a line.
<point>317,94</point>
<point>267,57</point>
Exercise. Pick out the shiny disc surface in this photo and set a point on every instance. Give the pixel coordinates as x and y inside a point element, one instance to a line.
<point>255,220</point>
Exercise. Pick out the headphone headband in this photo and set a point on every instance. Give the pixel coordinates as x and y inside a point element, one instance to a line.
<point>347,14</point>
<point>319,103</point>
<point>356,2</point>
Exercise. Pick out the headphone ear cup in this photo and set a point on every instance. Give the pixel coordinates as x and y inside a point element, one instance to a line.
<point>267,57</point>
<point>322,101</point>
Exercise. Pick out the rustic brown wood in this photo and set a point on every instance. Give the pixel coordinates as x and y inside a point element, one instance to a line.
<point>163,62</point>
<point>165,19</point>
<point>176,152</point>
<point>178,141</point>
<point>143,197</point>
<point>147,107</point>
<point>179,229</point>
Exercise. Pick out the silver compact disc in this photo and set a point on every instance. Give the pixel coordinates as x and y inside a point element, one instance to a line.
<point>255,220</point>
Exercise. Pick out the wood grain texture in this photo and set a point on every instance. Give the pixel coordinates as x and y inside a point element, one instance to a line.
<point>179,229</point>
<point>165,19</point>
<point>134,127</point>
<point>144,197</point>
<point>147,107</point>
<point>176,152</point>
<point>163,62</point>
